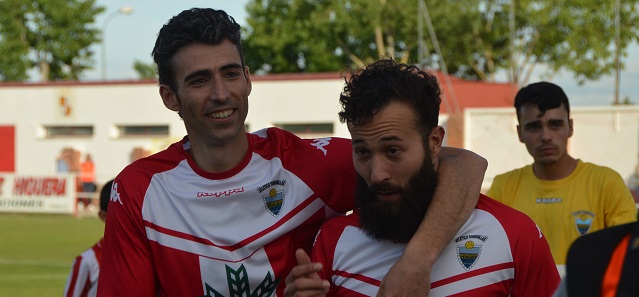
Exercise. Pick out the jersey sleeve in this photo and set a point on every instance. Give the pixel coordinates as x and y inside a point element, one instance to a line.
<point>334,175</point>
<point>324,164</point>
<point>323,252</point>
<point>79,280</point>
<point>619,205</point>
<point>126,268</point>
<point>535,270</point>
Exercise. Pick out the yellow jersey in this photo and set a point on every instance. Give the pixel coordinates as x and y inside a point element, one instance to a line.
<point>591,198</point>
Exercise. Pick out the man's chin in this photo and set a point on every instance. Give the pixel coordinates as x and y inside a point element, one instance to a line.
<point>388,209</point>
<point>547,160</point>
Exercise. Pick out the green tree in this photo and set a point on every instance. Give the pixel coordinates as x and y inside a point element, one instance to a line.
<point>144,70</point>
<point>51,36</point>
<point>474,35</point>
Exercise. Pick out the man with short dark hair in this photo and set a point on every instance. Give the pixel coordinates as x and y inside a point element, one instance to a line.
<point>566,197</point>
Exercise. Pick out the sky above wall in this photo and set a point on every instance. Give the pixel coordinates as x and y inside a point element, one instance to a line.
<point>131,37</point>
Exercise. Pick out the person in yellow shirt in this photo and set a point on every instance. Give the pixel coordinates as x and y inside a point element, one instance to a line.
<point>566,197</point>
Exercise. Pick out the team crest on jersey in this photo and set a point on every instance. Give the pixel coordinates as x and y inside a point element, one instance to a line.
<point>274,199</point>
<point>468,250</point>
<point>583,220</point>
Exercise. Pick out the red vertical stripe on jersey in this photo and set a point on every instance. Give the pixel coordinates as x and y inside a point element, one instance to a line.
<point>74,278</point>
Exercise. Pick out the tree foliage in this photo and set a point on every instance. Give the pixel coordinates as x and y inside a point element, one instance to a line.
<point>474,35</point>
<point>144,70</point>
<point>50,36</point>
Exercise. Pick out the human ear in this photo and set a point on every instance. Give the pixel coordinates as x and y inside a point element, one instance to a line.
<point>169,98</point>
<point>435,140</point>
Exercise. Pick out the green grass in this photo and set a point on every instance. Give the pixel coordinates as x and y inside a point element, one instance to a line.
<point>36,251</point>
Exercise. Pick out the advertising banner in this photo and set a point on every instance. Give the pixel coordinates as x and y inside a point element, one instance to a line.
<point>37,194</point>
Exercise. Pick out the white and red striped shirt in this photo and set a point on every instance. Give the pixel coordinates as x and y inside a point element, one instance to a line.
<point>83,279</point>
<point>175,230</point>
<point>497,252</point>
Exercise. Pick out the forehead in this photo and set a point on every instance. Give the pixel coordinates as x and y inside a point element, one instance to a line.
<point>198,56</point>
<point>395,121</point>
<point>531,113</point>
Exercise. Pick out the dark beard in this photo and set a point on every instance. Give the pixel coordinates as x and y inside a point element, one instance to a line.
<point>396,220</point>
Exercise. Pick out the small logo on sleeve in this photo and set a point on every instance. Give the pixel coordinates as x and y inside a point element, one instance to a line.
<point>115,195</point>
<point>320,143</point>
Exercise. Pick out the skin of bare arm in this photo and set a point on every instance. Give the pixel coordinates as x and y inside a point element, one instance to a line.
<point>461,173</point>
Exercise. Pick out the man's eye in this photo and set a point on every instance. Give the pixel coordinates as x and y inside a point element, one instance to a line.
<point>198,81</point>
<point>361,152</point>
<point>232,74</point>
<point>532,128</point>
<point>393,151</point>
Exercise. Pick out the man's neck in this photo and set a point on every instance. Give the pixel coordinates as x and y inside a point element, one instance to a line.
<point>555,171</point>
<point>219,158</point>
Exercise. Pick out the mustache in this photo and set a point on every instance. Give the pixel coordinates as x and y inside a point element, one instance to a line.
<point>547,146</point>
<point>383,187</point>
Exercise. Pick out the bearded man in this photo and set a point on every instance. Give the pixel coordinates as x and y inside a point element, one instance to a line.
<point>392,114</point>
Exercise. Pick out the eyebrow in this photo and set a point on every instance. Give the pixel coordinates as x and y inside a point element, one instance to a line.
<point>533,122</point>
<point>383,139</point>
<point>231,66</point>
<point>196,74</point>
<point>555,121</point>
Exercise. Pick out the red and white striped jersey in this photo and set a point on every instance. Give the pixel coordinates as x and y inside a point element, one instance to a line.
<point>497,252</point>
<point>175,230</point>
<point>83,279</point>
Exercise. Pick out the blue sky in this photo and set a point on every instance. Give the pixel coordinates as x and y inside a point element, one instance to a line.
<point>131,37</point>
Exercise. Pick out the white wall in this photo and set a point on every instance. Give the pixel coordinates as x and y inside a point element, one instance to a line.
<point>105,106</point>
<point>603,135</point>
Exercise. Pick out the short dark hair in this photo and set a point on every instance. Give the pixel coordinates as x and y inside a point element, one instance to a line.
<point>195,25</point>
<point>372,88</point>
<point>105,195</point>
<point>544,95</point>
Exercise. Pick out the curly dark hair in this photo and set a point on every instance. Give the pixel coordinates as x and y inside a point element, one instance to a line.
<point>195,25</point>
<point>544,95</point>
<point>372,88</point>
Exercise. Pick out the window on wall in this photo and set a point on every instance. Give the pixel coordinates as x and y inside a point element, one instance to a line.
<point>318,128</point>
<point>68,131</point>
<point>143,130</point>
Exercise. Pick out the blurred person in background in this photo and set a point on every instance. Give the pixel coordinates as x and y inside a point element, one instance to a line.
<point>603,263</point>
<point>87,181</point>
<point>566,197</point>
<point>83,279</point>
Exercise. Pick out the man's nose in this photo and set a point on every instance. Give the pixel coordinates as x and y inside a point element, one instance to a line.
<point>379,171</point>
<point>219,90</point>
<point>546,134</point>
